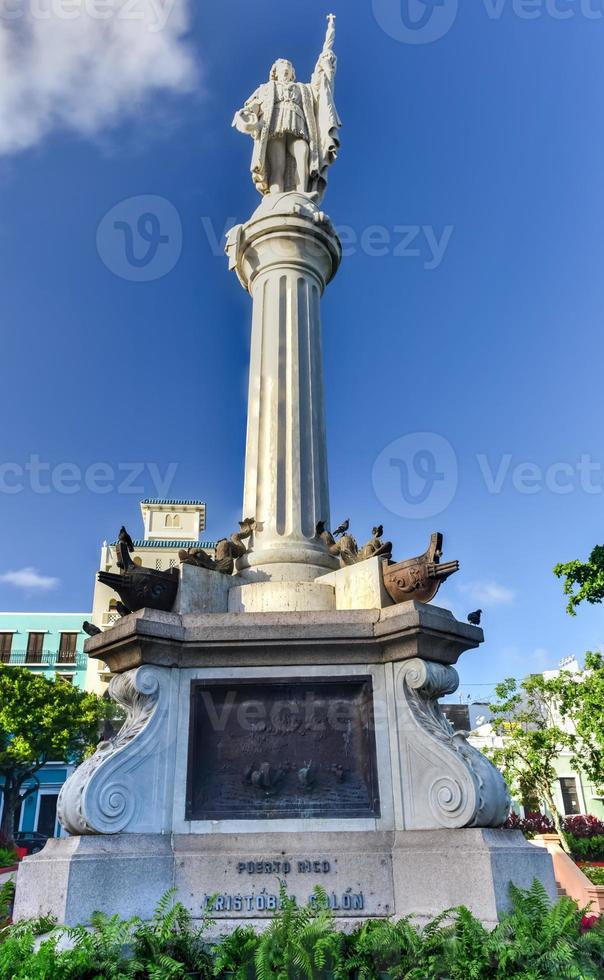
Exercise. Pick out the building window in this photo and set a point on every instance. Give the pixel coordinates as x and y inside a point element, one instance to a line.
<point>6,644</point>
<point>67,648</point>
<point>172,562</point>
<point>66,678</point>
<point>172,520</point>
<point>35,642</point>
<point>570,797</point>
<point>158,564</point>
<point>111,616</point>
<point>47,814</point>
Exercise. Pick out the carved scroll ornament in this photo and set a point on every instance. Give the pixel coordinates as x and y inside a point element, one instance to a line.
<point>120,787</point>
<point>446,781</point>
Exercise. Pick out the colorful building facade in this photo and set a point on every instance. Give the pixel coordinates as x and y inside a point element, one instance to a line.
<point>51,644</point>
<point>47,643</point>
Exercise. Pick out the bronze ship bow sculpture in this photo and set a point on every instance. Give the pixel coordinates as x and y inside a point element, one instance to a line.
<point>419,578</point>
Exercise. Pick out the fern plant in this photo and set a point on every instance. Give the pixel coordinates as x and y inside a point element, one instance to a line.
<point>16,949</point>
<point>288,948</point>
<point>382,949</point>
<point>540,940</point>
<point>8,857</point>
<point>169,943</point>
<point>103,951</point>
<point>7,897</point>
<point>534,941</point>
<point>234,956</point>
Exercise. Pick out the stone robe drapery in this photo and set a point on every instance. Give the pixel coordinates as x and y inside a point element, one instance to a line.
<point>322,121</point>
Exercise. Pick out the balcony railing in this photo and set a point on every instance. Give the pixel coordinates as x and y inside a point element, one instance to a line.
<point>59,658</point>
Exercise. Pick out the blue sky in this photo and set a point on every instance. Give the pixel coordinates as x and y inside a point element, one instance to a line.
<point>472,314</point>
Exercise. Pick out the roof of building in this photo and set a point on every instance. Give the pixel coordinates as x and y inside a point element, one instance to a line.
<point>143,543</point>
<point>171,503</point>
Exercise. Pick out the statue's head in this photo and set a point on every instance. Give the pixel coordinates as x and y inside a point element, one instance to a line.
<point>283,71</point>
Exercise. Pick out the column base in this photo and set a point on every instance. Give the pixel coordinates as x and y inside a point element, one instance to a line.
<point>286,561</point>
<point>270,597</point>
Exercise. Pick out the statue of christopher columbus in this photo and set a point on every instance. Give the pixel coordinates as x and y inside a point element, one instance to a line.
<point>294,126</point>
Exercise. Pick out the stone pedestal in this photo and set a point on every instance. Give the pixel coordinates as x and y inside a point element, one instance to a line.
<point>366,874</point>
<point>259,741</point>
<point>359,586</point>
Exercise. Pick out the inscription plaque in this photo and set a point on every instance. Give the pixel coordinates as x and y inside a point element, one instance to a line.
<point>265,749</point>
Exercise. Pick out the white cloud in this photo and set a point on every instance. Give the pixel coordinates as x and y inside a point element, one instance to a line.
<point>487,593</point>
<point>30,580</point>
<point>85,64</point>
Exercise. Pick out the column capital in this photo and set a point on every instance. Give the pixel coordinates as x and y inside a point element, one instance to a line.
<point>287,231</point>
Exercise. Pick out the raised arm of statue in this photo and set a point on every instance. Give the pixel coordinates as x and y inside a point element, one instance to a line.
<point>325,69</point>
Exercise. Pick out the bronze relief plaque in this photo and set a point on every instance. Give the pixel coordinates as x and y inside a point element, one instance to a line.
<point>268,749</point>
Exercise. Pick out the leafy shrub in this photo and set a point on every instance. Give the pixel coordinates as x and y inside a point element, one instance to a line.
<point>586,848</point>
<point>595,875</point>
<point>8,857</point>
<point>535,941</point>
<point>7,897</point>
<point>584,826</point>
<point>531,824</point>
<point>538,823</point>
<point>580,827</point>
<point>514,822</point>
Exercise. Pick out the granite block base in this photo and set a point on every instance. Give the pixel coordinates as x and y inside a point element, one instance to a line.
<point>364,874</point>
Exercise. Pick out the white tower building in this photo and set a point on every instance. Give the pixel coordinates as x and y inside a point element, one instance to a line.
<point>168,526</point>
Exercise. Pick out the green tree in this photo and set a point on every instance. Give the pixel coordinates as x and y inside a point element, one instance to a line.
<point>587,577</point>
<point>527,718</point>
<point>40,720</point>
<point>581,705</point>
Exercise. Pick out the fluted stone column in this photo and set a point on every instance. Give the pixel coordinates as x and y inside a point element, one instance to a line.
<point>285,256</point>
